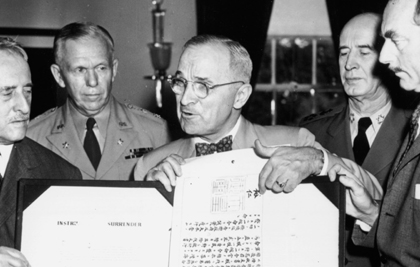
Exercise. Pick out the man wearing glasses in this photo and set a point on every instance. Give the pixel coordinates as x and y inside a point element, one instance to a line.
<point>211,87</point>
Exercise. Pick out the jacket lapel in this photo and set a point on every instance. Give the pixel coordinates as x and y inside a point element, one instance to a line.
<point>67,141</point>
<point>339,131</point>
<point>389,137</point>
<point>19,166</point>
<point>120,133</point>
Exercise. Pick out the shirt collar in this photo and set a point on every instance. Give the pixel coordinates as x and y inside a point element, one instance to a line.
<point>232,132</point>
<point>377,118</point>
<point>80,120</point>
<point>6,151</point>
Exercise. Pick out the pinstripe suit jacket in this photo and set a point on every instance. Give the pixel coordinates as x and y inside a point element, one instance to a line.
<point>27,160</point>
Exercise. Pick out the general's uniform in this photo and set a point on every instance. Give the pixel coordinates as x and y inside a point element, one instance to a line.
<point>332,131</point>
<point>131,132</point>
<point>27,160</point>
<point>244,138</point>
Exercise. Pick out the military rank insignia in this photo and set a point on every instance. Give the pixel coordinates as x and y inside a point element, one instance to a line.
<point>138,152</point>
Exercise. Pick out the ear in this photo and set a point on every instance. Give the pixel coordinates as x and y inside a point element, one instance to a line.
<point>114,69</point>
<point>56,72</point>
<point>242,96</point>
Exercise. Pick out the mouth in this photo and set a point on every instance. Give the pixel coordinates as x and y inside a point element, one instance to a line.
<point>20,122</point>
<point>351,80</point>
<point>187,113</point>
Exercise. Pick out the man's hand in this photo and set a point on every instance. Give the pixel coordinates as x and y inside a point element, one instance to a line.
<point>12,257</point>
<point>359,202</point>
<point>166,171</point>
<point>287,166</point>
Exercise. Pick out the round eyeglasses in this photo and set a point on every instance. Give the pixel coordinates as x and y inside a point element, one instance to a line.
<point>200,89</point>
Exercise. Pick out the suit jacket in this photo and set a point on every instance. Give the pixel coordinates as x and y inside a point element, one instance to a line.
<point>27,160</point>
<point>245,138</point>
<point>332,131</point>
<point>131,131</point>
<point>396,232</point>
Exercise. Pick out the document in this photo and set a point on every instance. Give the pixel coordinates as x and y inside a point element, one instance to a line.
<point>97,226</point>
<point>221,219</point>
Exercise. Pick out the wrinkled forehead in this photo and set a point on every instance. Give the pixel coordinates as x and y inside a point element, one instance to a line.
<point>209,61</point>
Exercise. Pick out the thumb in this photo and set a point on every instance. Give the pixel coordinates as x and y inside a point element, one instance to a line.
<point>263,151</point>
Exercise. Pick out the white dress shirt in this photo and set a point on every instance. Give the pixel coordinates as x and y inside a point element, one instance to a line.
<point>5,151</point>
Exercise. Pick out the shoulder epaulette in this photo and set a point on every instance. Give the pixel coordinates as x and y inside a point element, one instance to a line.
<point>142,110</point>
<point>46,113</point>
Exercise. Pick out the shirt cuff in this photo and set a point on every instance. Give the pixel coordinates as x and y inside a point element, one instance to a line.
<point>324,170</point>
<point>364,226</point>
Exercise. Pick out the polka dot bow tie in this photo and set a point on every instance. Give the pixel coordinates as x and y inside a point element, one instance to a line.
<point>205,149</point>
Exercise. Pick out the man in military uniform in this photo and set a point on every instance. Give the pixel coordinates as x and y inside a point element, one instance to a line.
<point>369,128</point>
<point>92,130</point>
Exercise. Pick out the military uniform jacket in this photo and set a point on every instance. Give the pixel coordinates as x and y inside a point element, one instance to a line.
<point>131,132</point>
<point>27,160</point>
<point>332,131</point>
<point>244,138</point>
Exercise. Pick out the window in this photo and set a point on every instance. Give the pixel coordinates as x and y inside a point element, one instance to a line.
<point>298,76</point>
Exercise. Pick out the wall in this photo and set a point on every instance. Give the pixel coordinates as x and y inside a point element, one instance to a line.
<point>128,21</point>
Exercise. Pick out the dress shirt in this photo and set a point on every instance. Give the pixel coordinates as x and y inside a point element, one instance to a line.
<point>5,151</point>
<point>99,128</point>
<point>377,119</point>
<point>233,132</point>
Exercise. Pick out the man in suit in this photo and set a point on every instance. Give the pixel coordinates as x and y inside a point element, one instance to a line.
<point>395,221</point>
<point>369,100</point>
<point>211,87</point>
<point>20,157</point>
<point>92,130</point>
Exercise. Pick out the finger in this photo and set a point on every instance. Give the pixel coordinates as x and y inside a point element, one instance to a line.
<point>175,161</point>
<point>263,151</point>
<point>349,181</point>
<point>336,171</point>
<point>264,174</point>
<point>155,174</point>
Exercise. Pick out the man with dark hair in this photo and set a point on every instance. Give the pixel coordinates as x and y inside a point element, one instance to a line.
<point>92,130</point>
<point>20,157</point>
<point>211,86</point>
<point>395,221</point>
<point>369,128</point>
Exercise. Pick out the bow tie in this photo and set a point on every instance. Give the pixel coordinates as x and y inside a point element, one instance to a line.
<point>225,144</point>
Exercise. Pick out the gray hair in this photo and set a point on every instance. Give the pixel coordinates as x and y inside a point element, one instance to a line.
<point>80,30</point>
<point>240,61</point>
<point>10,45</point>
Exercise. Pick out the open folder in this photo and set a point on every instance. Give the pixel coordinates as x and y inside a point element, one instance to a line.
<point>218,218</point>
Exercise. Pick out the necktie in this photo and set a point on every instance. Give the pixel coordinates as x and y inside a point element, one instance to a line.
<point>91,144</point>
<point>412,134</point>
<point>361,144</point>
<point>225,144</point>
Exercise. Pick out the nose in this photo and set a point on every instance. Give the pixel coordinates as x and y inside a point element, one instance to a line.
<point>188,96</point>
<point>22,102</point>
<point>351,62</point>
<point>91,78</point>
<point>386,53</point>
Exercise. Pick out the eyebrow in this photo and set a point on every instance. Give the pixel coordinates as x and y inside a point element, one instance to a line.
<point>178,72</point>
<point>358,46</point>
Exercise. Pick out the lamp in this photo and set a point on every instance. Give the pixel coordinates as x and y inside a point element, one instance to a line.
<point>160,51</point>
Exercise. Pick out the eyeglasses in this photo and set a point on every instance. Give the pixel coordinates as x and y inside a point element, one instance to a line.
<point>200,89</point>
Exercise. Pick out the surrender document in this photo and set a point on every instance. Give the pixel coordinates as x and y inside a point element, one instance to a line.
<point>97,226</point>
<point>221,219</point>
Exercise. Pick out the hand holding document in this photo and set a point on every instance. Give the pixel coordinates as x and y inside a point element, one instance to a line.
<point>220,218</point>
